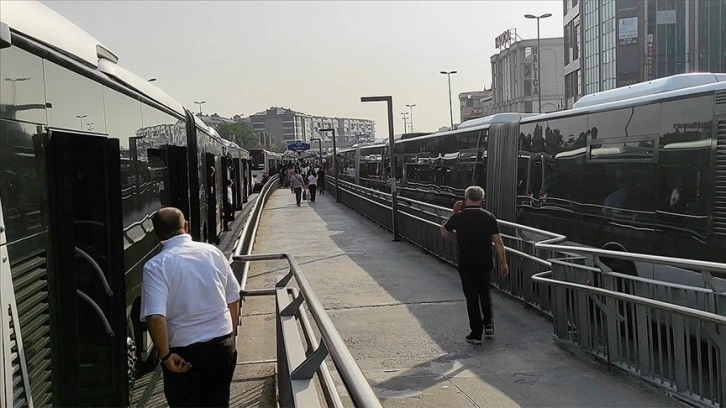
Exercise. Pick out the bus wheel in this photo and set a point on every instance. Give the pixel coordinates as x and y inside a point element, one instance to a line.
<point>618,265</point>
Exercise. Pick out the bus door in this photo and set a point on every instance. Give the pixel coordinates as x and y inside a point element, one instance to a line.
<point>239,184</point>
<point>212,214</point>
<point>178,176</point>
<point>88,300</point>
<point>227,175</point>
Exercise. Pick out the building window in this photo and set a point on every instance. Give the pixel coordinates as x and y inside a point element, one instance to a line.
<point>527,52</point>
<point>528,107</point>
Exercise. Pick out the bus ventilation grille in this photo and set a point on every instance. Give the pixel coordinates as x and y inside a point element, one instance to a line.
<point>719,191</point>
<point>30,279</point>
<point>720,98</point>
<point>19,397</point>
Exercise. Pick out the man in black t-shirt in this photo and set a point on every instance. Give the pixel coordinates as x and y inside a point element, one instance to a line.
<point>476,231</point>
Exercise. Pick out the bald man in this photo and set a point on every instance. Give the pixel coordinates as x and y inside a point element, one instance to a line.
<point>190,301</point>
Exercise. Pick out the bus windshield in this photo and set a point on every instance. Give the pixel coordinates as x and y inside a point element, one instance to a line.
<point>258,159</point>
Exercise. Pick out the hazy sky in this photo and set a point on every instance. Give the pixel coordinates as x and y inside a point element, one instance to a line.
<point>314,57</point>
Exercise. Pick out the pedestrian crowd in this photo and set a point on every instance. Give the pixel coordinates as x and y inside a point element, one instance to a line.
<point>304,178</point>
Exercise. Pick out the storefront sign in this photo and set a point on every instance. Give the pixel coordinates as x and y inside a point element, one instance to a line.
<point>503,39</point>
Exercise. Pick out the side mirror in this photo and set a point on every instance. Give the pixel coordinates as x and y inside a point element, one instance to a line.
<point>4,36</point>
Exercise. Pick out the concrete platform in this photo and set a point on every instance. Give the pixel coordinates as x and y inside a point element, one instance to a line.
<point>402,314</point>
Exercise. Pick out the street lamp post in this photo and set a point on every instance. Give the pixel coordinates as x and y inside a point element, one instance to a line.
<point>200,106</point>
<point>392,148</point>
<point>410,109</point>
<point>335,169</point>
<point>451,109</point>
<point>320,147</point>
<point>405,121</point>
<point>81,118</point>
<point>539,55</point>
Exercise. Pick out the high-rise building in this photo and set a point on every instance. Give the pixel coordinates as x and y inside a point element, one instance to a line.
<point>611,43</point>
<point>517,79</point>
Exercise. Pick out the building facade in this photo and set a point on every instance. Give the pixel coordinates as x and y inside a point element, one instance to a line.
<point>518,82</point>
<point>475,104</point>
<point>613,43</point>
<point>288,125</point>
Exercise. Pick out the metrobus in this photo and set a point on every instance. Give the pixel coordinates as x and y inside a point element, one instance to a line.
<point>640,168</point>
<point>264,165</point>
<point>88,153</point>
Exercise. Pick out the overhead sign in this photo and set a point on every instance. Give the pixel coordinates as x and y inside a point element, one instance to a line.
<point>298,147</point>
<point>503,39</point>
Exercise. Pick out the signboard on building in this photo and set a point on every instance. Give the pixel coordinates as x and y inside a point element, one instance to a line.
<point>503,39</point>
<point>628,30</point>
<point>535,71</point>
<point>629,55</point>
<point>298,146</point>
<point>665,17</point>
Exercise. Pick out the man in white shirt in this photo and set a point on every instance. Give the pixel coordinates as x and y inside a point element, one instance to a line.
<point>190,301</point>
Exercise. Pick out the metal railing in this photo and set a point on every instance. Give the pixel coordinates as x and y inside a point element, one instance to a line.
<point>419,224</point>
<point>642,325</point>
<point>671,334</point>
<point>298,359</point>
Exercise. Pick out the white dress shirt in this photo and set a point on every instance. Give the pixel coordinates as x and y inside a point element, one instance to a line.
<point>191,284</point>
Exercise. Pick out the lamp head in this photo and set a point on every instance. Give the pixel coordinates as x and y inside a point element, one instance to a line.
<point>529,16</point>
<point>546,15</point>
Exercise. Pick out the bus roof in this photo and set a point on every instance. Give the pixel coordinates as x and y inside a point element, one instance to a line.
<point>496,118</point>
<point>634,101</point>
<point>37,21</point>
<point>139,84</point>
<point>656,86</point>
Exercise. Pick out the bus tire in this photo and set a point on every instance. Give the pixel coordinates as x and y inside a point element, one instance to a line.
<point>618,265</point>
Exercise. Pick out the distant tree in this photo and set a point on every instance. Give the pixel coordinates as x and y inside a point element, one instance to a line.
<point>241,133</point>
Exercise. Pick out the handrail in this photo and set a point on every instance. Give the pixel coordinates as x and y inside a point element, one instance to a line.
<point>360,391</point>
<point>245,239</point>
<point>81,254</point>
<point>706,267</point>
<point>99,312</point>
<point>670,307</point>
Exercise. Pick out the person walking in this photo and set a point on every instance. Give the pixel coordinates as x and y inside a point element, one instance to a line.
<point>190,301</point>
<point>228,212</point>
<point>312,185</point>
<point>290,174</point>
<point>321,180</point>
<point>476,232</point>
<point>297,183</point>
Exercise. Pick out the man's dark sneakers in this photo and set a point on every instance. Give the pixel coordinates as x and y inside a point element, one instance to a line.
<point>489,330</point>
<point>473,338</point>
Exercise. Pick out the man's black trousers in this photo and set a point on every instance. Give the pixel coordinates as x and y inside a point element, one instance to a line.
<point>475,283</point>
<point>207,383</point>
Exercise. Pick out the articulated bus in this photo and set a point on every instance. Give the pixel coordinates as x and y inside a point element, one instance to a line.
<point>88,153</point>
<point>264,165</point>
<point>640,168</point>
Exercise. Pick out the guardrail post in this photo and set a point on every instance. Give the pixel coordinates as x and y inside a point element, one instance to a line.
<point>644,347</point>
<point>559,311</point>
<point>680,359</point>
<point>284,385</point>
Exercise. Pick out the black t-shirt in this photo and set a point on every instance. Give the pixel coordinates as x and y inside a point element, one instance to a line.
<point>474,229</point>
